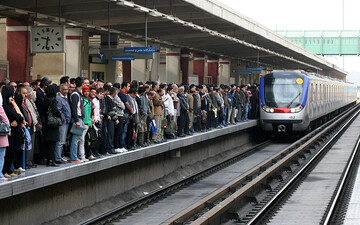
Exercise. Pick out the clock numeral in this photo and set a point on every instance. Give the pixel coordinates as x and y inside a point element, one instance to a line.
<point>38,34</point>
<point>36,39</point>
<point>43,47</point>
<point>38,45</point>
<point>57,33</point>
<point>59,38</point>
<point>57,44</point>
<point>43,30</point>
<point>52,47</point>
<point>52,31</point>
<point>47,30</point>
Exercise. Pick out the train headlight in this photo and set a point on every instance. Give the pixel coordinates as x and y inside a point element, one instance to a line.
<point>297,109</point>
<point>268,109</point>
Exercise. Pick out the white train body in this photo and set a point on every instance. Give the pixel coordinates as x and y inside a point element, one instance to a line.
<point>292,100</point>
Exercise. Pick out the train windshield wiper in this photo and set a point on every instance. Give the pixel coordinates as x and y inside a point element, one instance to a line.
<point>293,100</point>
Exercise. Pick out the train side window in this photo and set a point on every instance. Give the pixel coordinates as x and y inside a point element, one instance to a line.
<point>312,92</point>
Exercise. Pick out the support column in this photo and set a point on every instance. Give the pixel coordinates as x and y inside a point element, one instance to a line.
<point>73,52</point>
<point>18,48</point>
<point>111,67</point>
<point>173,65</point>
<point>212,65</point>
<point>224,72</point>
<point>198,68</point>
<point>184,65</point>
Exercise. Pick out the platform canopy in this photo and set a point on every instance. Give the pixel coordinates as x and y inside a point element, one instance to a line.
<point>206,26</point>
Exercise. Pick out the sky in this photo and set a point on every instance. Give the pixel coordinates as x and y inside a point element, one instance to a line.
<point>306,15</point>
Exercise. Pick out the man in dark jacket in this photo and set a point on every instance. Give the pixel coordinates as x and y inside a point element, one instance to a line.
<point>40,99</point>
<point>184,111</point>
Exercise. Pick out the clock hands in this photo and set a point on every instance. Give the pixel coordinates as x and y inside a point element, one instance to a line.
<point>47,42</point>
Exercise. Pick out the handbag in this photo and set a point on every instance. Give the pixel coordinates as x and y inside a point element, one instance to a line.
<point>77,131</point>
<point>164,123</point>
<point>5,129</point>
<point>52,120</point>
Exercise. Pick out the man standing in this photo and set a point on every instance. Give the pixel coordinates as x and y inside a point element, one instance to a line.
<point>77,115</point>
<point>65,112</point>
<point>125,87</point>
<point>158,113</point>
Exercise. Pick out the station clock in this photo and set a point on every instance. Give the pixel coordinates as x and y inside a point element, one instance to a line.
<point>47,39</point>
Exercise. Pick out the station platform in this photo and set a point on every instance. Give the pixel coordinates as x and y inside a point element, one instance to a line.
<point>42,176</point>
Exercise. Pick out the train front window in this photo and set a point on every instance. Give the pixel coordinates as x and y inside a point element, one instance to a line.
<point>283,92</point>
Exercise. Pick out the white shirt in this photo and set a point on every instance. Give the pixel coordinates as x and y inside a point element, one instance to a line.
<point>96,103</point>
<point>169,105</point>
<point>134,105</point>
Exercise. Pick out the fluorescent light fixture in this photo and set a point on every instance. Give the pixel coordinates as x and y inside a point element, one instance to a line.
<point>72,24</point>
<point>213,34</point>
<point>141,9</point>
<point>126,3</point>
<point>154,13</point>
<point>90,26</point>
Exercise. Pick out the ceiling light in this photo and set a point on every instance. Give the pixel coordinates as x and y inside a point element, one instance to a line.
<point>141,9</point>
<point>155,13</point>
<point>126,3</point>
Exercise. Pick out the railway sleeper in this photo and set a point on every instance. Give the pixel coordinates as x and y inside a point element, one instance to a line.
<point>251,199</point>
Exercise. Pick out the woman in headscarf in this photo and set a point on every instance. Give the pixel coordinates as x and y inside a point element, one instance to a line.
<point>4,141</point>
<point>16,122</point>
<point>51,133</point>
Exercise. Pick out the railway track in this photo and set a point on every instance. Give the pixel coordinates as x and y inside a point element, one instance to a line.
<point>250,192</point>
<point>256,193</point>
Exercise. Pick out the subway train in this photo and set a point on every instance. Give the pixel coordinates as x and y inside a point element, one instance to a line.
<point>298,101</point>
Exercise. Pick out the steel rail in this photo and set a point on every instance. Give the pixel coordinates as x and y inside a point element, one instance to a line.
<point>256,218</point>
<point>226,204</point>
<point>342,185</point>
<point>167,188</point>
<point>305,141</point>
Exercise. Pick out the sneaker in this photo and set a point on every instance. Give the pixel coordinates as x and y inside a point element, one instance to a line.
<point>118,150</point>
<point>7,175</point>
<point>13,175</point>
<point>92,157</point>
<point>60,162</point>
<point>124,150</point>
<point>3,179</point>
<point>84,160</point>
<point>65,158</point>
<point>76,161</point>
<point>19,170</point>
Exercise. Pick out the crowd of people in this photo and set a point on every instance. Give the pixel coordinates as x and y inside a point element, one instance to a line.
<point>81,120</point>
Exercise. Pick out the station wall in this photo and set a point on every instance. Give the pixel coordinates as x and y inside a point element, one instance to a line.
<point>2,39</point>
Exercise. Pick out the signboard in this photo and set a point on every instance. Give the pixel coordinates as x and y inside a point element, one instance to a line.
<point>123,58</point>
<point>193,79</point>
<point>140,50</point>
<point>102,56</point>
<point>115,52</point>
<point>232,80</point>
<point>233,71</point>
<point>245,72</point>
<point>255,68</point>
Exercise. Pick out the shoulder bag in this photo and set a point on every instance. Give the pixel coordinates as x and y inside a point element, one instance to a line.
<point>52,120</point>
<point>5,129</point>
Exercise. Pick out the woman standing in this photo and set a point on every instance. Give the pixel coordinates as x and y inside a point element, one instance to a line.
<point>51,133</point>
<point>16,122</point>
<point>4,142</point>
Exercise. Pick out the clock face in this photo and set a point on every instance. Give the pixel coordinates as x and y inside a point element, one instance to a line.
<point>47,39</point>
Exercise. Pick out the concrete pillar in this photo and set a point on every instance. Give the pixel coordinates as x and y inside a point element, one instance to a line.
<point>198,66</point>
<point>112,66</point>
<point>161,74</point>
<point>184,65</point>
<point>138,66</point>
<point>18,48</point>
<point>224,72</point>
<point>173,65</point>
<point>212,67</point>
<point>85,65</point>
<point>73,52</point>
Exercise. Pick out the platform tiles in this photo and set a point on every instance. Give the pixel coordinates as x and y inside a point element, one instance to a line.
<point>352,216</point>
<point>43,176</point>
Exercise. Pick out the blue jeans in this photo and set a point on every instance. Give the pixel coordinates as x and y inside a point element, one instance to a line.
<point>123,135</point>
<point>2,156</point>
<point>60,144</point>
<point>245,115</point>
<point>223,123</point>
<point>77,142</point>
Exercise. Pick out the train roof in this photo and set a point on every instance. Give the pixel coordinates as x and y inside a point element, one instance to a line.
<point>313,76</point>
